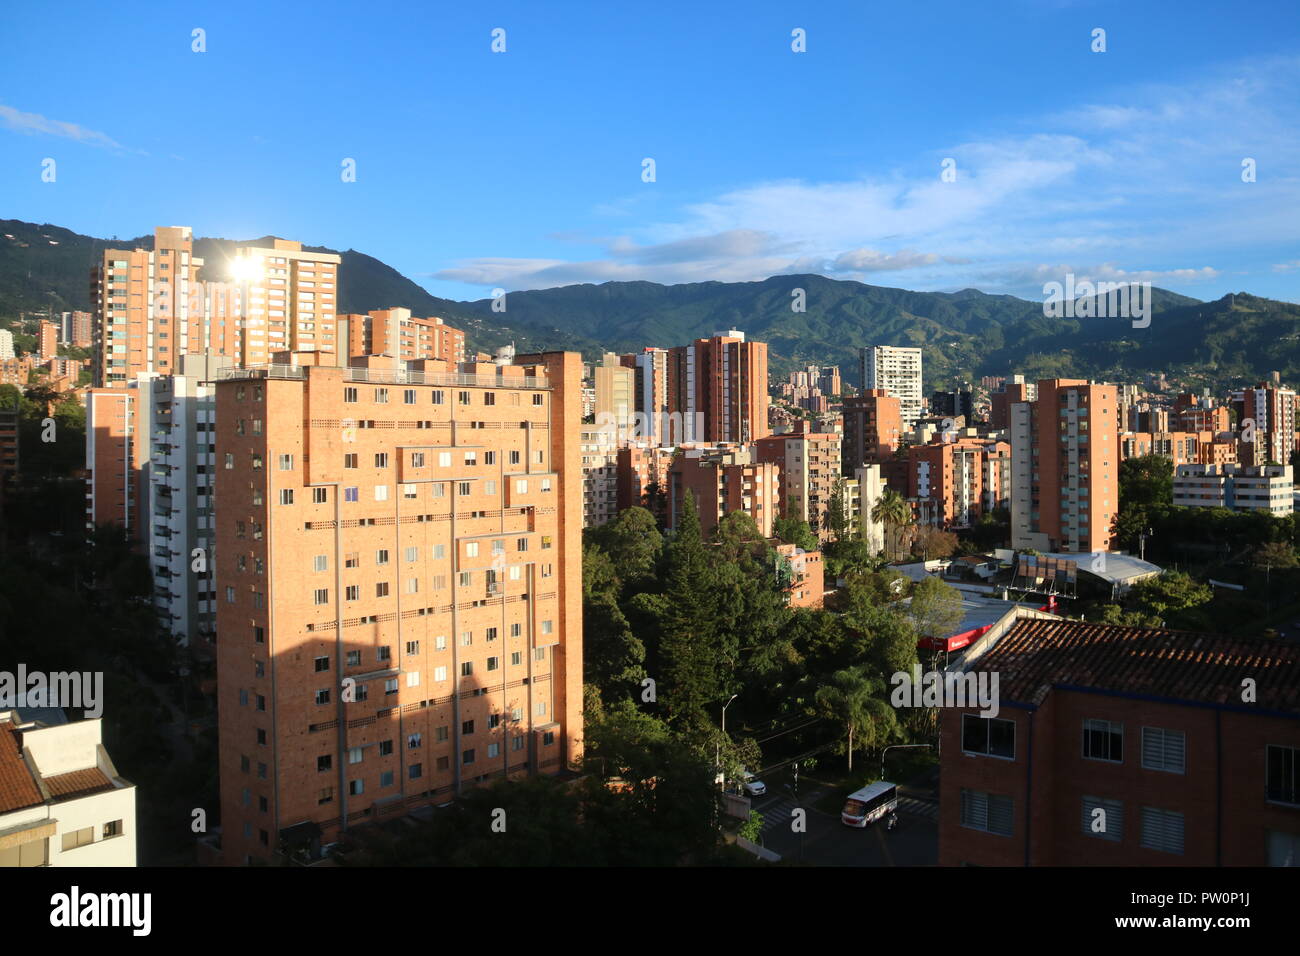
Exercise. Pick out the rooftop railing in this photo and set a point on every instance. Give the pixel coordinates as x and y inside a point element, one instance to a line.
<point>387,376</point>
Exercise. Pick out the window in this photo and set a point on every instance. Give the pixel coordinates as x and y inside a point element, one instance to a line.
<point>353,592</point>
<point>323,696</point>
<point>413,679</point>
<point>322,596</point>
<point>390,686</point>
<point>381,396</point>
<point>463,398</point>
<point>517,742</point>
<point>467,669</point>
<point>386,778</point>
<point>352,559</point>
<point>230,460</point>
<point>541,708</point>
<point>351,494</point>
<point>439,674</point>
<point>1103,740</point>
<point>521,544</point>
<point>417,459</point>
<point>547,627</point>
<point>381,459</point>
<point>350,395</point>
<point>322,664</point>
<point>415,771</point>
<point>412,647</point>
<point>471,549</point>
<point>1282,781</point>
<point>444,459</point>
<point>466,638</point>
<point>381,589</point>
<point>539,654</point>
<point>546,541</point>
<point>381,556</point>
<point>320,496</point>
<point>440,642</point>
<point>439,396</point>
<point>286,462</point>
<point>355,755</point>
<point>354,658</point>
<point>1162,830</point>
<point>462,488</point>
<point>1283,848</point>
<point>516,629</point>
<point>414,741</point>
<point>321,563</point>
<point>1108,824</point>
<point>489,458</point>
<point>325,796</point>
<point>381,492</point>
<point>286,496</point>
<point>350,461</point>
<point>467,757</point>
<point>324,762</point>
<point>356,788</point>
<point>466,727</point>
<point>988,736</point>
<point>1163,749</point>
<point>548,738</point>
<point>514,458</point>
<point>82,837</point>
<point>989,812</point>
<point>516,658</point>
<point>521,485</point>
<point>408,396</point>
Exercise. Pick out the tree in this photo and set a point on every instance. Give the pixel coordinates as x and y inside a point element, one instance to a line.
<point>932,542</point>
<point>633,543</point>
<point>892,510</point>
<point>856,702</point>
<point>795,531</point>
<point>688,648</point>
<point>936,607</point>
<point>837,512</point>
<point>1173,597</point>
<point>1275,554</point>
<point>613,656</point>
<point>1146,481</point>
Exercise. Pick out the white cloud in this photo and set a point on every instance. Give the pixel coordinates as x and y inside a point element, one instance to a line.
<point>1128,190</point>
<point>35,124</point>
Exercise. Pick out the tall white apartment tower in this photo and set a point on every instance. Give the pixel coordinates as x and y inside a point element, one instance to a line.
<point>898,371</point>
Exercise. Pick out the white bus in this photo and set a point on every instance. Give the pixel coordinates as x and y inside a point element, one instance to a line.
<point>869,804</point>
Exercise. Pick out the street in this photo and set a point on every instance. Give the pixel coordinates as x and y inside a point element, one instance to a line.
<point>828,842</point>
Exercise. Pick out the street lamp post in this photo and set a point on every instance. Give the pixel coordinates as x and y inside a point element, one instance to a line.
<point>717,748</point>
<point>897,747</point>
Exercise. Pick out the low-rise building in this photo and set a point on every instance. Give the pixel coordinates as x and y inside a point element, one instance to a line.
<point>62,802</point>
<point>1235,487</point>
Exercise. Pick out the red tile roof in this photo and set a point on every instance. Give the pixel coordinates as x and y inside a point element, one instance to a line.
<point>1036,655</point>
<point>17,787</point>
<point>78,783</point>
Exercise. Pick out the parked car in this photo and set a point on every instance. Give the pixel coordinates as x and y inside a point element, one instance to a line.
<point>753,786</point>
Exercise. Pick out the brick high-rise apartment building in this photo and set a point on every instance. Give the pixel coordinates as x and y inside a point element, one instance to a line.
<point>873,428</point>
<point>1065,467</point>
<point>399,579</point>
<point>47,339</point>
<point>396,332</point>
<point>722,379</point>
<point>810,466</point>
<point>723,480</point>
<point>151,308</point>
<point>1117,746</point>
<point>1272,436</point>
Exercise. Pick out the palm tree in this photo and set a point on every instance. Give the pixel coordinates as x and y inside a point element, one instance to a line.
<point>857,702</point>
<point>892,510</point>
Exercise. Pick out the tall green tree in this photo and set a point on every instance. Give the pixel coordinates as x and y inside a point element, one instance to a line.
<point>892,510</point>
<point>856,701</point>
<point>936,607</point>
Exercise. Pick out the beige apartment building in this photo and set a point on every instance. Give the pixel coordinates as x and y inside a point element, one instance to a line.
<point>399,578</point>
<point>397,332</point>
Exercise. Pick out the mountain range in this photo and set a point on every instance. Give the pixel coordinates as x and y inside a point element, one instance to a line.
<point>1231,341</point>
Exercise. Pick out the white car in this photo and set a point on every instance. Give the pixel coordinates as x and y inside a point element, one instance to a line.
<point>753,786</point>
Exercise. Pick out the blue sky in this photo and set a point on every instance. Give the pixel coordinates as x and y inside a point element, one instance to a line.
<point>523,169</point>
